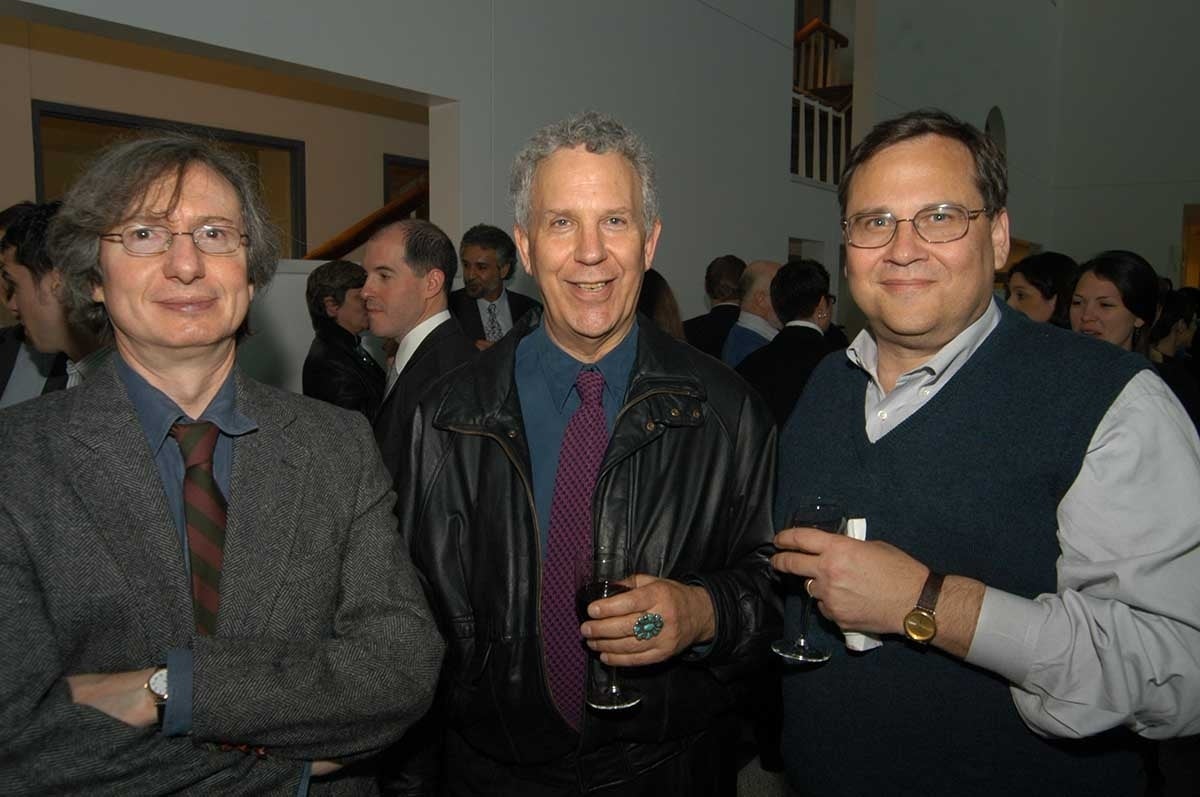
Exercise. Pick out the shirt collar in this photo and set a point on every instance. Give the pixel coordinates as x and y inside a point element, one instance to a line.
<point>89,363</point>
<point>807,324</point>
<point>864,352</point>
<point>484,303</point>
<point>157,412</point>
<point>757,323</point>
<point>560,370</point>
<point>415,337</point>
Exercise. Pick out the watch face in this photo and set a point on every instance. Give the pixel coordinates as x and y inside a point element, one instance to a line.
<point>158,683</point>
<point>919,625</point>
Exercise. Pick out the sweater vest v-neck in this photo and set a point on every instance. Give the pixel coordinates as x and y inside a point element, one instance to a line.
<point>968,485</point>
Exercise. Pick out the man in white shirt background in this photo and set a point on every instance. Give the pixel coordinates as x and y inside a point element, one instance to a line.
<point>410,266</point>
<point>485,306</point>
<point>757,323</point>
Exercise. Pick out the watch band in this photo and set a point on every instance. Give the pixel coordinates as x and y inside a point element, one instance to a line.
<point>931,591</point>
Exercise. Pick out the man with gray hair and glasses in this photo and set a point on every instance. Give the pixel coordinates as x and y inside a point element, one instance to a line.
<point>584,438</point>
<point>202,583</point>
<point>1029,503</point>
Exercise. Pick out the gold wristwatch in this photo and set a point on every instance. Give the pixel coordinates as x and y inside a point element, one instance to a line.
<point>156,685</point>
<point>920,624</point>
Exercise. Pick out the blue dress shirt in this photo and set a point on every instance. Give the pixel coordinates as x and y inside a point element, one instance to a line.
<point>545,377</point>
<point>156,413</point>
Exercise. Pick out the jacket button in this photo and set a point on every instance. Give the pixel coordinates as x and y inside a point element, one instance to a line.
<point>695,413</point>
<point>512,434</point>
<point>649,426</point>
<point>674,412</point>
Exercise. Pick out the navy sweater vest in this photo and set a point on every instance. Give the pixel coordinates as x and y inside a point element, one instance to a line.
<point>968,485</point>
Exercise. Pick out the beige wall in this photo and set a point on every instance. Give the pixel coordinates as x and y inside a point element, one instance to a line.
<point>344,144</point>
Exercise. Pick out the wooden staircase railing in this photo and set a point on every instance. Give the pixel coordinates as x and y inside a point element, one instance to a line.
<point>354,236</point>
<point>813,64</point>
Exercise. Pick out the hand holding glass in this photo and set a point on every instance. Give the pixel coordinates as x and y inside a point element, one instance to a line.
<point>595,579</point>
<point>815,513</point>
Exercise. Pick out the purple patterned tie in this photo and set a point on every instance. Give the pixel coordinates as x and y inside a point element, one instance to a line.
<point>570,540</point>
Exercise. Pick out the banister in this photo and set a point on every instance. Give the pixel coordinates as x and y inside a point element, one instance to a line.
<point>817,24</point>
<point>357,234</point>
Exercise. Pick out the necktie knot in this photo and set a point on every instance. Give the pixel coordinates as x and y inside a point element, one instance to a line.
<point>197,441</point>
<point>590,384</point>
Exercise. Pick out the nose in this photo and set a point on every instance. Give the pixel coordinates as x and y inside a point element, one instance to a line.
<point>589,248</point>
<point>185,262</point>
<point>906,246</point>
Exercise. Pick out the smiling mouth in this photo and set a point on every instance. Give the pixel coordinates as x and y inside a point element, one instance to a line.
<point>592,287</point>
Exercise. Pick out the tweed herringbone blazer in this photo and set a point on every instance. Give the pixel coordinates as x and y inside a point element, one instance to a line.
<point>325,645</point>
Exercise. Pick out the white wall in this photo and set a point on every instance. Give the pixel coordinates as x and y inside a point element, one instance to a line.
<point>1128,158</point>
<point>706,83</point>
<point>966,58</point>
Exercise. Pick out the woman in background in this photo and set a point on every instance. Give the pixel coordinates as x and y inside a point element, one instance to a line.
<point>1115,299</point>
<point>1040,287</point>
<point>1171,335</point>
<point>657,302</point>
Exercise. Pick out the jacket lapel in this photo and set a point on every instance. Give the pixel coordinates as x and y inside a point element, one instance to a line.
<point>264,505</point>
<point>119,485</point>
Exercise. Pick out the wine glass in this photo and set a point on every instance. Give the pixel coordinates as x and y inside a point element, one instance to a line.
<point>826,515</point>
<point>596,578</point>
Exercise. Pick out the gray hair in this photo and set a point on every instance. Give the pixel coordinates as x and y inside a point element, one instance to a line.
<point>599,134</point>
<point>115,188</point>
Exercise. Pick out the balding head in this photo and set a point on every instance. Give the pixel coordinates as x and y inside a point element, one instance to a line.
<point>756,290</point>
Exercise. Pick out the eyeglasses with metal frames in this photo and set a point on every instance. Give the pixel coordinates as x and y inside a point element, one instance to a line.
<point>938,224</point>
<point>145,240</point>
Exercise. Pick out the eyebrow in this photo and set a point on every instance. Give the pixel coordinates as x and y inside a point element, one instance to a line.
<point>156,219</point>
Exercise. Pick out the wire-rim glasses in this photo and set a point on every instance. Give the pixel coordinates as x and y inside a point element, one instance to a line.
<point>937,224</point>
<point>145,240</point>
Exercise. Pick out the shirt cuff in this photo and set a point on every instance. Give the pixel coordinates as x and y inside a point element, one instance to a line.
<point>1007,634</point>
<point>177,718</point>
<point>305,778</point>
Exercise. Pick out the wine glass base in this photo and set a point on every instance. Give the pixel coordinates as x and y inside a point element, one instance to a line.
<point>615,701</point>
<point>799,650</point>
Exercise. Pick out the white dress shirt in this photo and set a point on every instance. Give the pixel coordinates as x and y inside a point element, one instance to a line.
<point>503,312</point>
<point>758,324</point>
<point>410,343</point>
<point>1118,644</point>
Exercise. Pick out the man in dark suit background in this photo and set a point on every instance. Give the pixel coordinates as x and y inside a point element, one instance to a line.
<point>410,266</point>
<point>203,573</point>
<point>722,283</point>
<point>484,307</point>
<point>338,369</point>
<point>778,371</point>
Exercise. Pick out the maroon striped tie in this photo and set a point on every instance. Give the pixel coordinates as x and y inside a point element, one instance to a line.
<point>204,508</point>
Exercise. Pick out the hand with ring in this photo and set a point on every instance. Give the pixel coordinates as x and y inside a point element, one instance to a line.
<point>655,620</point>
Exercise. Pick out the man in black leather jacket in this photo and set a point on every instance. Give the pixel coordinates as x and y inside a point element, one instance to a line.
<point>684,491</point>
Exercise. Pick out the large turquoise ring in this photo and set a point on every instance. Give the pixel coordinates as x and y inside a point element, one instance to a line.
<point>648,626</point>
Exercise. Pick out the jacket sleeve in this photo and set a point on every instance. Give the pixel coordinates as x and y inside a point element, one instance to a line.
<point>354,690</point>
<point>50,744</point>
<point>746,603</point>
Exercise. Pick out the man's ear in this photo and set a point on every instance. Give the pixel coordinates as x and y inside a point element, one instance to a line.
<point>331,307</point>
<point>522,241</point>
<point>506,270</point>
<point>435,278</point>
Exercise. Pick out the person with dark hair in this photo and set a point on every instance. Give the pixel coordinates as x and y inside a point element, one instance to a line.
<point>410,266</point>
<point>35,287</point>
<point>1024,518</point>
<point>722,285</point>
<point>779,370</point>
<point>657,302</point>
<point>756,324</point>
<point>484,306</point>
<point>25,372</point>
<point>1172,334</point>
<point>581,436</point>
<point>338,369</point>
<point>1115,299</point>
<point>1040,287</point>
<point>206,587</point>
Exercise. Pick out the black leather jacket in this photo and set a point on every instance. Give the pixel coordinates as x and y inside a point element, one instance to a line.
<point>337,370</point>
<point>685,489</point>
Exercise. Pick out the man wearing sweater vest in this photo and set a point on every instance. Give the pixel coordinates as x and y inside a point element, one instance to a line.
<point>1031,515</point>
